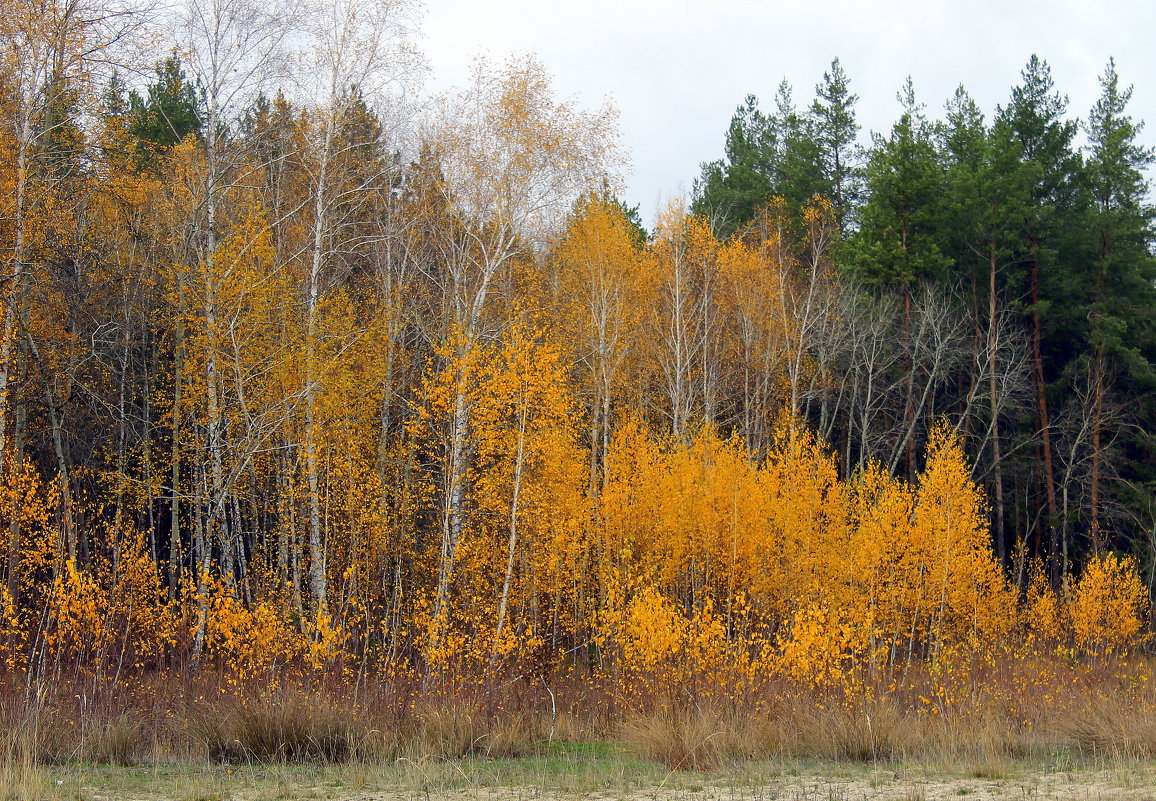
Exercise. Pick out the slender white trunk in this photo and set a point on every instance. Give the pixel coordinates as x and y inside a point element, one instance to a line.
<point>215,425</point>
<point>14,283</point>
<point>316,541</point>
<point>512,543</point>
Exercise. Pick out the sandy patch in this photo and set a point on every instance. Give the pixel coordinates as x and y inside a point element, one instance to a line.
<point>1125,785</point>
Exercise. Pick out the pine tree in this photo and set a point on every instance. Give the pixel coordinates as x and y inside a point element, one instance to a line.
<point>899,237</point>
<point>981,203</point>
<point>836,131</point>
<point>729,191</point>
<point>1039,143</point>
<point>898,241</point>
<point>169,111</point>
<point>799,174</point>
<point>1122,283</point>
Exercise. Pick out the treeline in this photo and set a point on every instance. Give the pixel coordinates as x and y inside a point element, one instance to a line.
<point>286,381</point>
<point>1012,286</point>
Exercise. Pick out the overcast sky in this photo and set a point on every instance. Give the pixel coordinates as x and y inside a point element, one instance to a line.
<point>677,69</point>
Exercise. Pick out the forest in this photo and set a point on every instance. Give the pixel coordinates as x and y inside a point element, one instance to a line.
<point>306,376</point>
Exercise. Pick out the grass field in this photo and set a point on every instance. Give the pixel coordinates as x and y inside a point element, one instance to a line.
<point>593,770</point>
<point>1080,732</point>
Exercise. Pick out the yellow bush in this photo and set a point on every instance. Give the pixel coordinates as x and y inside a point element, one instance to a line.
<point>1109,606</point>
<point>653,632</point>
<point>817,648</point>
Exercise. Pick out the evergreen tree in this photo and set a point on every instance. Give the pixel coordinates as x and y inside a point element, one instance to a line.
<point>897,245</point>
<point>899,237</point>
<point>836,131</point>
<point>169,111</point>
<point>730,190</point>
<point>1037,139</point>
<point>981,204</point>
<point>1121,289</point>
<point>781,155</point>
<point>799,174</point>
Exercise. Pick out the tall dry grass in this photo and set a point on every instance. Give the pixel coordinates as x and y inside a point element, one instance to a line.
<point>875,731</point>
<point>448,729</point>
<point>691,738</point>
<point>21,777</point>
<point>1005,715</point>
<point>1111,727</point>
<point>295,727</point>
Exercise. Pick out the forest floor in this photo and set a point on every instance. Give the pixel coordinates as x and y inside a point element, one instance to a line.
<point>605,774</point>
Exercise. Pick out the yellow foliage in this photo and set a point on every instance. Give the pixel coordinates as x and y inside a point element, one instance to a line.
<point>409,418</point>
<point>1109,606</point>
<point>653,631</point>
<point>965,593</point>
<point>818,649</point>
<point>79,612</point>
<point>249,641</point>
<point>13,635</point>
<point>138,608</point>
<point>1043,610</point>
<point>26,506</point>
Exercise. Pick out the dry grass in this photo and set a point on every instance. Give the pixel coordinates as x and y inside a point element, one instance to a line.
<point>700,738</point>
<point>17,779</point>
<point>1103,713</point>
<point>451,730</point>
<point>514,735</point>
<point>119,741</point>
<point>446,730</point>
<point>875,732</point>
<point>21,779</point>
<point>1112,727</point>
<point>290,729</point>
<point>692,738</point>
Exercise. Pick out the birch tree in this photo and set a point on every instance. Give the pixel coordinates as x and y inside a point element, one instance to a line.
<point>360,51</point>
<point>514,161</point>
<point>235,48</point>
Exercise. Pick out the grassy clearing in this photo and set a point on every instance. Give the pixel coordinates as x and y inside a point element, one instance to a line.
<point>195,742</point>
<point>599,770</point>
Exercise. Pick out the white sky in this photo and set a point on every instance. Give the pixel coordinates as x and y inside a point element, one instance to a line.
<point>677,69</point>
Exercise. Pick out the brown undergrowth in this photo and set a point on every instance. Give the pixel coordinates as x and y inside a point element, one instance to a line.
<point>1103,709</point>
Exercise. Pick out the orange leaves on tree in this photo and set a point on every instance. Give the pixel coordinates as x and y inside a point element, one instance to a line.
<point>1109,606</point>
<point>817,648</point>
